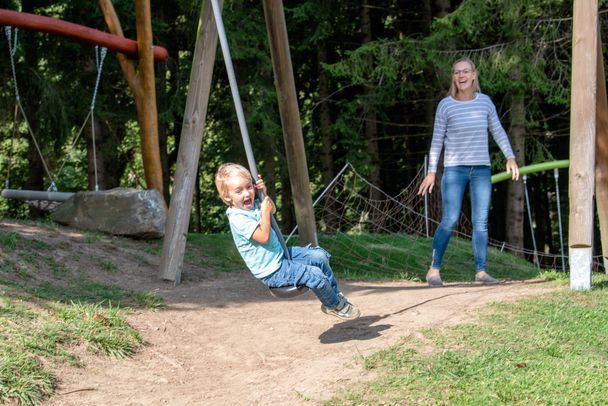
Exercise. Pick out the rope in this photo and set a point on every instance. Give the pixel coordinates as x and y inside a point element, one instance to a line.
<point>559,218</point>
<point>536,260</point>
<point>9,158</point>
<point>99,66</point>
<point>100,56</point>
<point>12,50</point>
<point>239,109</point>
<point>31,132</point>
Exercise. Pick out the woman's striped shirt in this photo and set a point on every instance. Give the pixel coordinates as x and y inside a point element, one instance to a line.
<point>462,128</point>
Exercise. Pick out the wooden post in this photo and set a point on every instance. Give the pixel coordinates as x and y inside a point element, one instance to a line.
<point>197,101</point>
<point>290,120</point>
<point>148,116</point>
<point>601,154</point>
<point>142,85</point>
<point>582,141</point>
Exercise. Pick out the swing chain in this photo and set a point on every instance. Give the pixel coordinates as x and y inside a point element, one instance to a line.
<point>12,48</point>
<point>100,56</point>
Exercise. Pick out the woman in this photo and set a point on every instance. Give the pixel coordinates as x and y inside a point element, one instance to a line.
<point>462,121</point>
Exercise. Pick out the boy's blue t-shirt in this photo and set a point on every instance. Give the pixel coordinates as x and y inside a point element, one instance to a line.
<point>261,259</point>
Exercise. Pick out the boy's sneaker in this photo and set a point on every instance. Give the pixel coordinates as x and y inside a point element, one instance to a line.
<point>344,310</point>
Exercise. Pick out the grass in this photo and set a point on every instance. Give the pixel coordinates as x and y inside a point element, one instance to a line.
<point>215,251</point>
<point>30,335</point>
<point>544,351</point>
<point>48,308</point>
<point>371,257</point>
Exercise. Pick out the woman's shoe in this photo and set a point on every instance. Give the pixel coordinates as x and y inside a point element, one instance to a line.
<point>434,281</point>
<point>485,278</point>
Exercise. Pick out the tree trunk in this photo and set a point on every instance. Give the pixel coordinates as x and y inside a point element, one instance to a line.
<point>327,161</point>
<point>35,170</point>
<point>582,142</point>
<point>143,87</point>
<point>162,106</point>
<point>369,112</point>
<point>514,216</point>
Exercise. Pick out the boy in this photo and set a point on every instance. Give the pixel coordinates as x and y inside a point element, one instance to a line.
<point>258,244</point>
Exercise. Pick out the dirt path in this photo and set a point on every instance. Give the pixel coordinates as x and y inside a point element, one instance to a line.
<point>226,341</point>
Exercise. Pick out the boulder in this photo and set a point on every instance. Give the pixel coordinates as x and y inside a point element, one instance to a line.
<point>121,211</point>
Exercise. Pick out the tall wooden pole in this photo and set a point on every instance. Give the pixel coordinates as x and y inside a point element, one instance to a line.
<point>582,141</point>
<point>147,111</point>
<point>142,85</point>
<point>290,120</point>
<point>601,154</point>
<point>195,114</point>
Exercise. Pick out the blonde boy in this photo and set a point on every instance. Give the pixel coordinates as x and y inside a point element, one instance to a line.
<point>260,248</point>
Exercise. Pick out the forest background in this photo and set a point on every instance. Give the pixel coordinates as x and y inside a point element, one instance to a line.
<point>369,75</point>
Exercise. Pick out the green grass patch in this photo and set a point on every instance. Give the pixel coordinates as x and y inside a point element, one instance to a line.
<point>148,300</point>
<point>543,351</point>
<point>30,335</point>
<point>107,265</point>
<point>371,257</point>
<point>49,306</point>
<point>402,256</point>
<point>215,251</point>
<point>9,239</point>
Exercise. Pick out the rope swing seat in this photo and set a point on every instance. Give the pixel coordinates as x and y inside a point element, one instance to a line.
<point>283,292</point>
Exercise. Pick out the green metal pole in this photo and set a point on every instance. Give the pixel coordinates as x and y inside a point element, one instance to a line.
<point>526,170</point>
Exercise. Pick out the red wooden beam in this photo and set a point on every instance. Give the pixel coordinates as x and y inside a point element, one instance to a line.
<point>78,32</point>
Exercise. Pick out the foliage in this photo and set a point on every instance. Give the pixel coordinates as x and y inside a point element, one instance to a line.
<point>360,87</point>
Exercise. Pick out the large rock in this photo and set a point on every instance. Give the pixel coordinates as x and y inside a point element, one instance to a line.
<point>121,211</point>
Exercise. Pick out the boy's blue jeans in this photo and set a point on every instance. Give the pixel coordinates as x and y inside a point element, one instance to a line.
<point>308,266</point>
<point>453,184</point>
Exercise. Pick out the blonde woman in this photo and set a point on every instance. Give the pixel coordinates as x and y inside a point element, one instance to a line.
<point>462,121</point>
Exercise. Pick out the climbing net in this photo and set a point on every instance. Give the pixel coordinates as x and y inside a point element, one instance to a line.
<point>349,208</point>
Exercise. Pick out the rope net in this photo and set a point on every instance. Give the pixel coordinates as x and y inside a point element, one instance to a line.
<point>392,235</point>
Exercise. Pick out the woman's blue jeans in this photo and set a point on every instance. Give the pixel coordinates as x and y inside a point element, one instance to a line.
<point>453,184</point>
<point>308,266</point>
